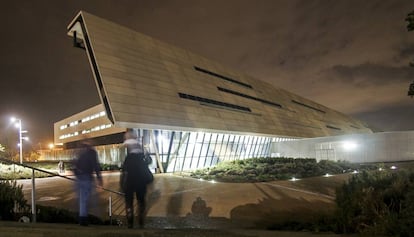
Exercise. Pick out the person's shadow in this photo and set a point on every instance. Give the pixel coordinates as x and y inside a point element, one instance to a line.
<point>199,209</point>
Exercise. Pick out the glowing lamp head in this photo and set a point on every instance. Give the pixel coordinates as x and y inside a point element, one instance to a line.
<point>349,146</point>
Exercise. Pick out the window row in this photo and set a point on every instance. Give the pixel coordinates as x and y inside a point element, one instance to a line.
<point>222,77</point>
<point>88,118</point>
<point>214,102</point>
<point>249,97</point>
<point>308,106</point>
<point>85,131</point>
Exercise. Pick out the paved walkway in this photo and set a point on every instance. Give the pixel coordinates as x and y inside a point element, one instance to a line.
<point>176,202</point>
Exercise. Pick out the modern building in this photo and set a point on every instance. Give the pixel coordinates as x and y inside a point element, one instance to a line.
<point>359,148</point>
<point>191,112</point>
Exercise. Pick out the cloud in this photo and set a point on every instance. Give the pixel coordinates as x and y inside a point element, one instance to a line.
<point>389,118</point>
<point>368,74</point>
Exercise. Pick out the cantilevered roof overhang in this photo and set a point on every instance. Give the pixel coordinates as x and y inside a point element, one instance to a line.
<point>145,83</point>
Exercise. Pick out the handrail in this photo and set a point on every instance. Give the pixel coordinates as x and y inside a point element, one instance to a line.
<point>54,174</point>
<point>58,175</point>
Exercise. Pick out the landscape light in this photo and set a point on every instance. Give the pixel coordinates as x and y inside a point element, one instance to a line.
<point>294,179</point>
<point>393,167</point>
<point>349,145</point>
<point>327,175</point>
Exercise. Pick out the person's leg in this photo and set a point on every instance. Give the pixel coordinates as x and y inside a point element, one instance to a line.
<point>84,193</point>
<point>129,206</point>
<point>141,193</point>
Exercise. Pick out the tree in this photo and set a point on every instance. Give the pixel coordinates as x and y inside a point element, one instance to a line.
<point>410,27</point>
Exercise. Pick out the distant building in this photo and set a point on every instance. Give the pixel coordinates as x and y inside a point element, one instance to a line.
<point>190,111</point>
<point>91,123</point>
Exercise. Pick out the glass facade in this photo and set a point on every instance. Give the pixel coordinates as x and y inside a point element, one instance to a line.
<point>185,151</point>
<point>178,151</point>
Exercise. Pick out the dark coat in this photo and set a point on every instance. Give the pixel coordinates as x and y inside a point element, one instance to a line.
<point>87,163</point>
<point>135,172</point>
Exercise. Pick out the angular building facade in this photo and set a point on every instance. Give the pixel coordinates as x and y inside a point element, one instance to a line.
<point>191,111</point>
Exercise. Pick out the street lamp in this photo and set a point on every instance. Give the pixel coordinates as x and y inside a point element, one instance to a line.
<point>52,150</point>
<point>18,123</point>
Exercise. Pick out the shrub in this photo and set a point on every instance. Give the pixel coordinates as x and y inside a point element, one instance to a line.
<point>268,169</point>
<point>109,167</point>
<point>59,215</point>
<point>377,203</point>
<point>12,200</point>
<point>55,215</point>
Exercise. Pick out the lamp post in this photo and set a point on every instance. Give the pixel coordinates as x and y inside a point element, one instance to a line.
<point>18,123</point>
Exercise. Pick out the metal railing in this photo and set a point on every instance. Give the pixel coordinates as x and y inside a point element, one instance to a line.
<point>114,206</point>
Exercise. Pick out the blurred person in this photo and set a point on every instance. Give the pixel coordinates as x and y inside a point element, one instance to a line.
<point>135,177</point>
<point>85,164</point>
<point>61,166</point>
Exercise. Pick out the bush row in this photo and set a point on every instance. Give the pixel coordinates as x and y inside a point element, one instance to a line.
<point>11,172</point>
<point>268,169</point>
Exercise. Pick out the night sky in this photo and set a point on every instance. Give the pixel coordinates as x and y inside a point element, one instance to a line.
<point>349,55</point>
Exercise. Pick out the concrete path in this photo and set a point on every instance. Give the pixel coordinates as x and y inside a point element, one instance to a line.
<point>182,202</point>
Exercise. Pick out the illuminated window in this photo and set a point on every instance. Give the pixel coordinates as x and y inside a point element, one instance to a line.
<point>73,123</point>
<point>86,119</point>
